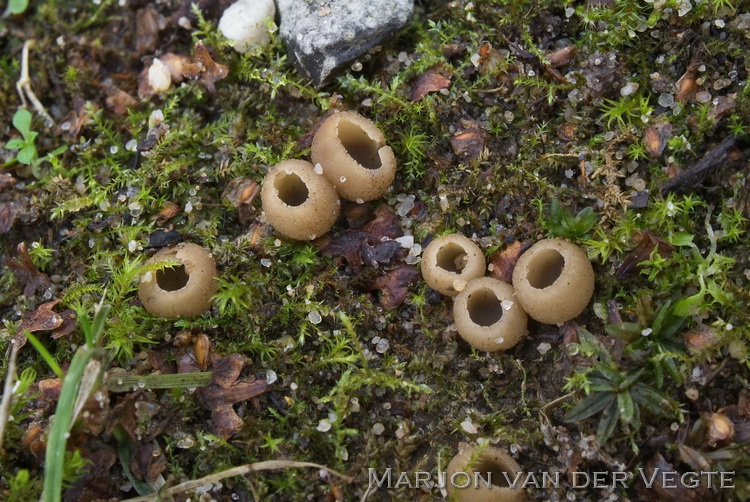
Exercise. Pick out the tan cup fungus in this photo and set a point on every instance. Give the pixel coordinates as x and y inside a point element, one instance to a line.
<point>352,152</point>
<point>450,262</point>
<point>298,202</point>
<point>181,291</point>
<point>488,315</point>
<point>492,464</point>
<point>554,281</point>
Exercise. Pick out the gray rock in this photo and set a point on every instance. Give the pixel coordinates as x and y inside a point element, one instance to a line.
<point>323,35</point>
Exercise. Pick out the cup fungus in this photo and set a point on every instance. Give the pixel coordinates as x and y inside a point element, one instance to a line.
<point>352,152</point>
<point>554,281</point>
<point>184,290</point>
<point>488,316</point>
<point>299,203</point>
<point>467,481</point>
<point>450,262</point>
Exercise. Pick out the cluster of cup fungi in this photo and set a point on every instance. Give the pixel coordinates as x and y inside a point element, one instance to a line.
<point>552,282</point>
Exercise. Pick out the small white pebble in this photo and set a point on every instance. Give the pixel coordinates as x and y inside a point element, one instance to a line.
<point>271,377</point>
<point>382,346</point>
<point>265,262</point>
<point>324,425</point>
<point>543,348</point>
<point>506,304</point>
<point>378,429</point>
<point>318,169</point>
<point>159,76</point>
<point>132,246</point>
<point>647,332</point>
<point>468,426</point>
<point>629,89</point>
<point>314,317</point>
<point>406,241</point>
<point>459,285</point>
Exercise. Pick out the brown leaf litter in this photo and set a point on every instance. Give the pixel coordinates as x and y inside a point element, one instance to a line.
<point>224,391</point>
<point>24,269</point>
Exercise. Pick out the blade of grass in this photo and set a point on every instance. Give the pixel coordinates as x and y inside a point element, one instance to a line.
<point>64,417</point>
<point>126,383</point>
<point>8,390</point>
<point>234,471</point>
<point>39,346</point>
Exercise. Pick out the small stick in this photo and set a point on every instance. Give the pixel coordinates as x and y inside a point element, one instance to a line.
<point>694,174</point>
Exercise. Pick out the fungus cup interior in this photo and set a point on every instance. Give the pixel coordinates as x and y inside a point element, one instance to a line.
<point>452,258</point>
<point>173,278</point>
<point>496,469</point>
<point>545,268</point>
<point>291,189</point>
<point>359,145</point>
<point>484,307</point>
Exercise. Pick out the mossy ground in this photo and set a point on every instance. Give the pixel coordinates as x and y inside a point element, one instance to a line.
<point>87,215</point>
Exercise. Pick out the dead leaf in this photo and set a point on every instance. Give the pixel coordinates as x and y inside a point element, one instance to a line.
<point>646,242</point>
<point>118,101</point>
<point>168,211</point>
<point>503,262</point>
<point>347,245</point>
<point>7,216</point>
<point>686,85</point>
<point>25,270</point>
<point>6,181</point>
<point>700,338</point>
<point>430,81</point>
<point>666,487</point>
<point>49,389</point>
<point>97,483</point>
<point>379,254</point>
<point>224,391</point>
<point>42,319</point>
<point>470,140</point>
<point>75,119</point>
<point>385,225</point>
<point>655,137</point>
<point>561,57</point>
<point>566,131</point>
<point>212,71</point>
<point>146,29</point>
<point>394,286</point>
<point>124,414</point>
<point>202,350</point>
<point>724,105</point>
<point>147,462</point>
<point>181,67</point>
<point>743,404</point>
